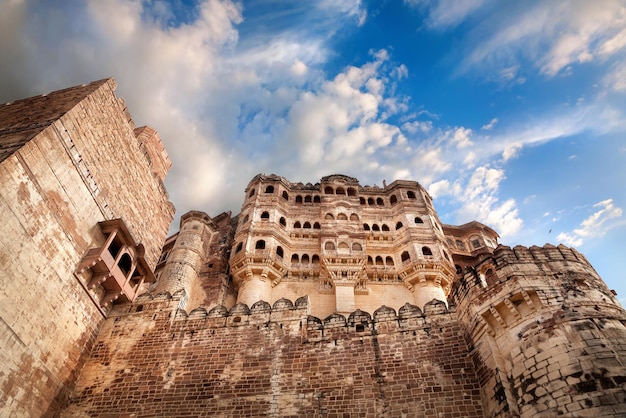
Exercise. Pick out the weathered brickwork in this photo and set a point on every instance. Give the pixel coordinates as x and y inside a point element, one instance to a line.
<point>72,160</point>
<point>394,314</point>
<point>277,362</point>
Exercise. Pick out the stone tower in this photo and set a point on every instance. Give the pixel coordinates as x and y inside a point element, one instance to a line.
<point>547,333</point>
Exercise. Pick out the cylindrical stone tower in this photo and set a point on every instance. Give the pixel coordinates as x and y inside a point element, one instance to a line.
<point>186,258</point>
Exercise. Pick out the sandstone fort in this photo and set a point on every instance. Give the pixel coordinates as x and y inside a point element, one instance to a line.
<point>325,299</point>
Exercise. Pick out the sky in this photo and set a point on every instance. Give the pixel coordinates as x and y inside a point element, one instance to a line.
<point>508,113</point>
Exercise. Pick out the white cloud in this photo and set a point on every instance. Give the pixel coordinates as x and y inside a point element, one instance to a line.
<point>489,126</point>
<point>446,13</point>
<point>606,217</point>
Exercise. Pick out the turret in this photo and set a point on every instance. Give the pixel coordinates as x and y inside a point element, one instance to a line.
<point>186,257</point>
<point>546,332</point>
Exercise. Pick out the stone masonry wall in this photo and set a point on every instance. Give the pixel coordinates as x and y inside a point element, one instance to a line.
<point>80,169</point>
<point>153,360</point>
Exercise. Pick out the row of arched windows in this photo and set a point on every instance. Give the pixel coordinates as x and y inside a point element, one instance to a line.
<point>378,261</point>
<point>304,259</point>
<point>342,246</point>
<point>350,191</point>
<point>384,227</point>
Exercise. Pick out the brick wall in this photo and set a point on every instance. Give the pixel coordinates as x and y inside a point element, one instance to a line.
<point>152,360</point>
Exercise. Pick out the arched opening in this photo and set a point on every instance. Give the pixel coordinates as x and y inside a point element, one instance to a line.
<point>410,194</point>
<point>307,225</point>
<point>354,217</point>
<point>265,215</point>
<point>317,225</point>
<point>357,247</point>
<point>329,245</point>
<point>398,225</point>
<point>362,200</point>
<point>343,246</point>
<point>370,201</point>
<point>385,227</point>
<point>294,259</point>
<point>298,199</point>
<point>269,189</point>
<point>125,263</point>
<point>375,227</point>
<point>342,217</point>
<point>418,220</point>
<point>285,195</point>
<point>379,261</point>
<point>316,199</point>
<point>427,251</point>
<point>315,259</point>
<point>279,251</point>
<point>328,190</point>
<point>260,245</point>
<point>351,191</point>
<point>460,245</point>
<point>282,221</point>
<point>389,261</point>
<point>340,190</point>
<point>405,256</point>
<point>297,224</point>
<point>393,199</point>
<point>380,201</point>
<point>239,247</point>
<point>329,216</point>
<point>305,259</point>
<point>370,261</point>
<point>308,198</point>
<point>366,227</point>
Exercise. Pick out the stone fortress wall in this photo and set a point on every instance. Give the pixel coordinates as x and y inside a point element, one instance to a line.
<point>325,299</point>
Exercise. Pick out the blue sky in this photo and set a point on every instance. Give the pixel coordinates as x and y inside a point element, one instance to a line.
<point>509,113</point>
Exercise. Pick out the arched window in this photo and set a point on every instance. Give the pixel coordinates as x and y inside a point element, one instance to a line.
<point>393,199</point>
<point>385,227</point>
<point>370,262</point>
<point>354,217</point>
<point>389,261</point>
<point>328,190</point>
<point>405,256</point>
<point>340,190</point>
<point>251,193</point>
<point>307,225</point>
<point>260,245</point>
<point>125,263</point>
<point>265,215</point>
<point>285,195</point>
<point>329,245</point>
<point>269,189</point>
<point>476,241</point>
<point>366,227</point>
<point>316,199</point>
<point>305,259</point>
<point>343,246</point>
<point>418,220</point>
<point>351,191</point>
<point>370,201</point>
<point>308,198</point>
<point>379,261</point>
<point>294,258</point>
<point>279,251</point>
<point>426,251</point>
<point>239,247</point>
<point>317,225</point>
<point>460,245</point>
<point>342,217</point>
<point>398,225</point>
<point>450,242</point>
<point>282,221</point>
<point>315,259</point>
<point>375,227</point>
<point>357,247</point>
<point>329,216</point>
<point>380,201</point>
<point>298,199</point>
<point>297,224</point>
<point>362,200</point>
<point>410,195</point>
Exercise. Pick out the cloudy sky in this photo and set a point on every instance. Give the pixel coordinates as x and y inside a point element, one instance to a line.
<point>509,113</point>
